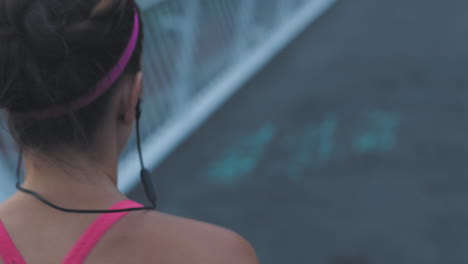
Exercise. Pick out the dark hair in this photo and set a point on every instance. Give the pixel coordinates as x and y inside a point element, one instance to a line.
<point>57,51</point>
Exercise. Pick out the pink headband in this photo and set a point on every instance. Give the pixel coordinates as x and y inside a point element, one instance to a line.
<point>103,85</point>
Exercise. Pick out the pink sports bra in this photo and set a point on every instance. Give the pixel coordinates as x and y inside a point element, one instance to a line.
<point>80,251</point>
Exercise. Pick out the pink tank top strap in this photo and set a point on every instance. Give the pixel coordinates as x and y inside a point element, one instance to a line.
<point>93,234</point>
<point>8,251</point>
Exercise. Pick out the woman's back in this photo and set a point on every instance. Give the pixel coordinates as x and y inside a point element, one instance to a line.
<point>44,236</point>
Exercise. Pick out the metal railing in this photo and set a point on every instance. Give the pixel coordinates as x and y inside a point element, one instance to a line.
<point>197,54</point>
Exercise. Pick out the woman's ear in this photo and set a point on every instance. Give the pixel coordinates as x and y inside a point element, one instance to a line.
<point>130,98</point>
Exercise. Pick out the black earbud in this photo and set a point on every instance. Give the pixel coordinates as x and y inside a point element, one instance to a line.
<point>138,110</point>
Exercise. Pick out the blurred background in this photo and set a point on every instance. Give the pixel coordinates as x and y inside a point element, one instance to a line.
<point>322,131</point>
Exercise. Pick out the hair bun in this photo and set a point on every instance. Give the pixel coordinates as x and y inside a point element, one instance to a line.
<point>53,36</point>
<point>106,8</point>
<point>43,34</point>
<point>60,48</point>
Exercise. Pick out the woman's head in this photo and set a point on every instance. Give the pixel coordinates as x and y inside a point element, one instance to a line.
<point>53,52</point>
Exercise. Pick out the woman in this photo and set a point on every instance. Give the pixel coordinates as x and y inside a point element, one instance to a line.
<point>70,83</point>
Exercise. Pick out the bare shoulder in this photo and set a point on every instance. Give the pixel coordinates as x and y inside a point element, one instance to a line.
<point>183,240</point>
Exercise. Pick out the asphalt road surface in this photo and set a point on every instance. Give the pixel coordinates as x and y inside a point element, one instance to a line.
<point>349,148</point>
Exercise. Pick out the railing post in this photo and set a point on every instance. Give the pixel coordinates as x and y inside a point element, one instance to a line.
<point>284,8</point>
<point>6,153</point>
<point>188,42</point>
<point>243,25</point>
<point>8,159</point>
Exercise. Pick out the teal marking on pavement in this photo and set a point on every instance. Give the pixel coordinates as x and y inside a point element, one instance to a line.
<point>314,146</point>
<point>327,140</point>
<point>381,135</point>
<point>242,158</point>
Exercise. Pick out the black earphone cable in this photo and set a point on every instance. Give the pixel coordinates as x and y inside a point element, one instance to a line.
<point>145,174</point>
<point>145,177</point>
<point>138,137</point>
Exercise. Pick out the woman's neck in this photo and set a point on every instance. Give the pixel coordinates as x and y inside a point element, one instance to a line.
<point>76,181</point>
